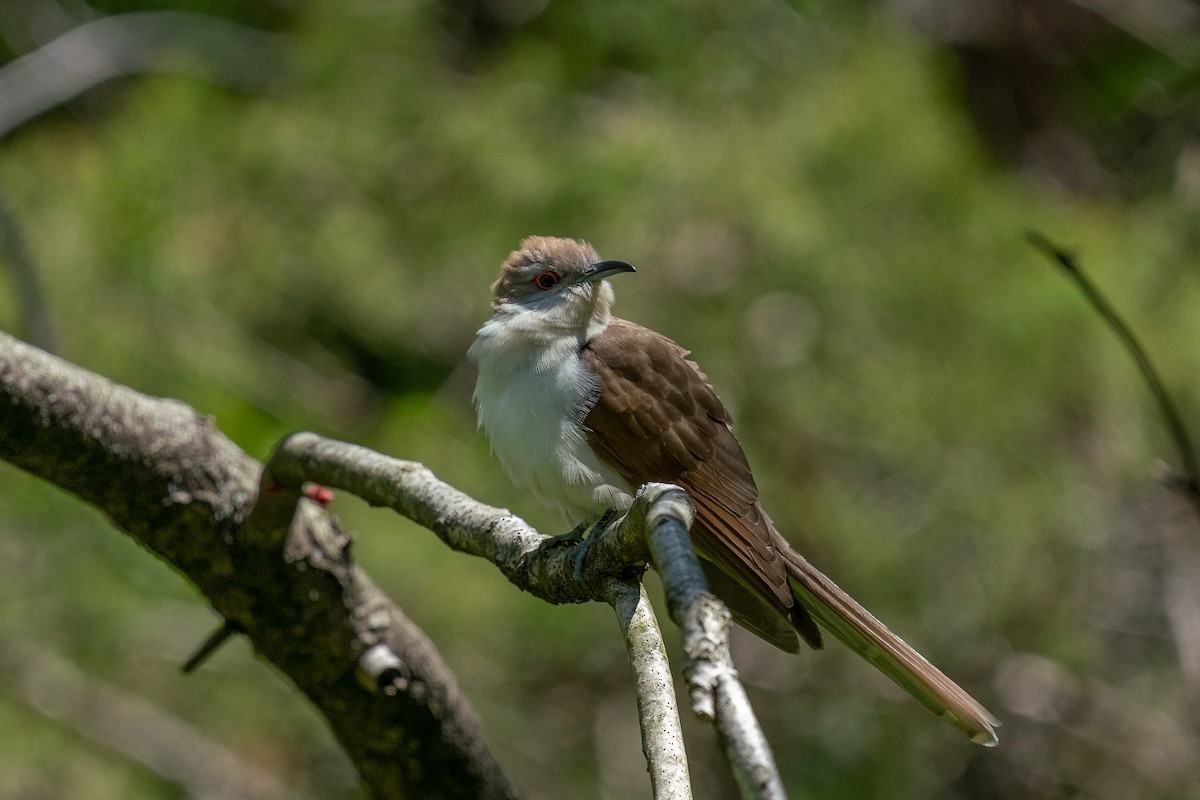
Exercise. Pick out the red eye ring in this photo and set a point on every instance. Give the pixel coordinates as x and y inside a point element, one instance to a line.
<point>546,280</point>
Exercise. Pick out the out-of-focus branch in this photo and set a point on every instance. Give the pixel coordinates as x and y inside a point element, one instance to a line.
<point>1169,26</point>
<point>1188,481</point>
<point>130,725</point>
<point>165,476</point>
<point>36,322</point>
<point>128,44</point>
<point>1181,592</point>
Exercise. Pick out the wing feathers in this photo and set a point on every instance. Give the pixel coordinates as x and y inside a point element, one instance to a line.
<point>657,419</point>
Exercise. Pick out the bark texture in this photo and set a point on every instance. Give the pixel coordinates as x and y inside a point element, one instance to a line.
<point>164,475</point>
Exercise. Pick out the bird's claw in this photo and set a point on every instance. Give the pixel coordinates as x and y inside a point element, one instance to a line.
<point>571,538</point>
<point>581,538</point>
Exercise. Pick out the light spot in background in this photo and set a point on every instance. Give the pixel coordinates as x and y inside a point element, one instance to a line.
<point>781,328</point>
<point>704,257</point>
<point>1036,687</point>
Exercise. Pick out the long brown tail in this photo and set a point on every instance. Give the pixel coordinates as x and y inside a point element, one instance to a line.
<point>839,614</point>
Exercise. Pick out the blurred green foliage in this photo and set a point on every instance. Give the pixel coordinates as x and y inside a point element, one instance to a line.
<point>934,416</point>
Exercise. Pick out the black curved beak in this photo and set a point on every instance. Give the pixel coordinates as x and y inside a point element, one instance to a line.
<point>605,269</point>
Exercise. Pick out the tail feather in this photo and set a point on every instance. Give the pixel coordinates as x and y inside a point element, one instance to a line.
<point>839,614</point>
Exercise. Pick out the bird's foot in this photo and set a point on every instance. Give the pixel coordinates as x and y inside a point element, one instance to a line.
<point>571,537</point>
<point>580,537</point>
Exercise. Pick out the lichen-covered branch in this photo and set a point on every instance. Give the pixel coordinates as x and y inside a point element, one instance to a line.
<point>550,574</point>
<point>463,523</point>
<point>658,713</point>
<point>657,523</point>
<point>716,691</point>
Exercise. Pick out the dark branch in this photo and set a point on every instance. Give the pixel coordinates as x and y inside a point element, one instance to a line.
<point>36,323</point>
<point>165,476</point>
<point>1189,481</point>
<point>277,568</point>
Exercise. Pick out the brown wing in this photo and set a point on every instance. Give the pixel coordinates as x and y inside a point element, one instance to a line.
<point>657,419</point>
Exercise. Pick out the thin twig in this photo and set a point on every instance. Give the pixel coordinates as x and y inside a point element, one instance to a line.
<point>224,633</point>
<point>35,316</point>
<point>1189,481</point>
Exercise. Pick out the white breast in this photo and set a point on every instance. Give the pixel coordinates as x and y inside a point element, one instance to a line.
<point>532,395</point>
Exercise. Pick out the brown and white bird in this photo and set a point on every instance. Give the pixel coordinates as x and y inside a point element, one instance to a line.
<point>582,408</point>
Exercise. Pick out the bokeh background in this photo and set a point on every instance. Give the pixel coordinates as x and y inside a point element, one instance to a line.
<point>288,213</point>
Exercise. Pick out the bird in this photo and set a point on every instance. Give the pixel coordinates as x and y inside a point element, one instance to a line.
<point>582,408</point>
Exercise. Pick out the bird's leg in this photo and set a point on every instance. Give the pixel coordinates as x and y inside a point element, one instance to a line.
<point>581,550</point>
<point>571,537</point>
<point>581,537</point>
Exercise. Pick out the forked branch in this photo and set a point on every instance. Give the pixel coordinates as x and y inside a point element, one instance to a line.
<point>278,569</point>
<point>660,516</point>
<point>163,474</point>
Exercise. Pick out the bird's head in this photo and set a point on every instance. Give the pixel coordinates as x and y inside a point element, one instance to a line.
<point>562,279</point>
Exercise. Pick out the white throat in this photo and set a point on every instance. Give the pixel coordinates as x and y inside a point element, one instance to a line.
<point>532,395</point>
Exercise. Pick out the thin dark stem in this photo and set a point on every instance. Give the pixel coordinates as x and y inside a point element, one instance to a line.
<point>1189,481</point>
<point>34,312</point>
<point>214,641</point>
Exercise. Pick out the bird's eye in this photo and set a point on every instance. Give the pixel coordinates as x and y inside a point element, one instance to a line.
<point>546,280</point>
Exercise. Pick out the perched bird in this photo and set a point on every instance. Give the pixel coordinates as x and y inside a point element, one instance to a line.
<point>582,408</point>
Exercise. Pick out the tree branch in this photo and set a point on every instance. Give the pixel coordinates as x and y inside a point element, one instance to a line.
<point>127,44</point>
<point>660,516</point>
<point>278,569</point>
<point>717,694</point>
<point>181,489</point>
<point>495,534</point>
<point>658,716</point>
<point>1188,483</point>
